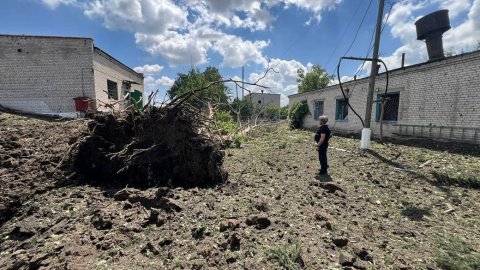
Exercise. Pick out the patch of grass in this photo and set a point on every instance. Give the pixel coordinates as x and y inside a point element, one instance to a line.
<point>423,157</point>
<point>283,145</point>
<point>289,257</point>
<point>272,162</point>
<point>463,180</point>
<point>456,254</point>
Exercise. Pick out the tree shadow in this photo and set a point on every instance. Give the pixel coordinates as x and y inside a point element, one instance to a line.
<point>416,213</point>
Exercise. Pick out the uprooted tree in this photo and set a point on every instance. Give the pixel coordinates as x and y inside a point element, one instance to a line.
<point>175,144</point>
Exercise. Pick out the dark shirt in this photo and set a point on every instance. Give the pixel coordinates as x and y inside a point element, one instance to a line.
<point>326,130</point>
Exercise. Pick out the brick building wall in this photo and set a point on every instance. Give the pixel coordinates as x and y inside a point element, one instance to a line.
<point>43,74</point>
<point>437,99</point>
<point>263,100</point>
<point>107,68</point>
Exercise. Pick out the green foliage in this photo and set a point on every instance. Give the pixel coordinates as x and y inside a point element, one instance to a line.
<point>313,80</point>
<point>298,111</point>
<point>217,93</point>
<point>456,254</point>
<point>271,111</point>
<point>238,140</point>
<point>288,257</point>
<point>224,122</point>
<point>463,180</point>
<point>284,112</point>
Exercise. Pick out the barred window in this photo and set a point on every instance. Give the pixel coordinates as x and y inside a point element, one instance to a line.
<point>390,111</point>
<point>112,89</point>
<point>317,109</point>
<point>341,110</point>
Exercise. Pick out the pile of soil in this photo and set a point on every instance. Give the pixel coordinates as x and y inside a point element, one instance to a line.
<point>159,147</point>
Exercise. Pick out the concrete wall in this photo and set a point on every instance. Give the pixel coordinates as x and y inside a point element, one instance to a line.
<point>43,74</point>
<point>263,100</point>
<point>108,68</point>
<point>439,99</point>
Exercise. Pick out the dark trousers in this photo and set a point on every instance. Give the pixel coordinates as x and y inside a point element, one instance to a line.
<point>322,156</point>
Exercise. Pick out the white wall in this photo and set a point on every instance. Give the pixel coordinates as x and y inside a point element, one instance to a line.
<point>108,68</point>
<point>43,74</point>
<point>435,94</point>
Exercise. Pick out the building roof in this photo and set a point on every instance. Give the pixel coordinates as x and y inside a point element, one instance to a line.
<point>38,36</point>
<point>111,58</point>
<point>406,68</point>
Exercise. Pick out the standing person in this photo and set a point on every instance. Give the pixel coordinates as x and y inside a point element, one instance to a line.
<point>321,138</point>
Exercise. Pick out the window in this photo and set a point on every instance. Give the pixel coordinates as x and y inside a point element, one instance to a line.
<point>341,111</point>
<point>112,89</point>
<point>390,112</point>
<point>317,109</point>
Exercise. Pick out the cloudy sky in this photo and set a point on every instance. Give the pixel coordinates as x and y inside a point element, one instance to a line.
<point>162,38</point>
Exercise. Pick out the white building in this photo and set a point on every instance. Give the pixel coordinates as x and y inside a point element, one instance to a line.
<point>262,100</point>
<point>437,99</point>
<point>58,75</point>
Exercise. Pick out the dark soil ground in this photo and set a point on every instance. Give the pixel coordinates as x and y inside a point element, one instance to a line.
<point>377,209</point>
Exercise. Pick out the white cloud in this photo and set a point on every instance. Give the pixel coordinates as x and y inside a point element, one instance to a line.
<point>53,4</point>
<point>283,73</point>
<point>187,31</point>
<point>291,89</point>
<point>467,35</point>
<point>165,81</point>
<point>402,25</point>
<point>236,52</point>
<point>455,7</point>
<point>178,49</point>
<point>149,69</point>
<point>141,16</point>
<point>283,100</point>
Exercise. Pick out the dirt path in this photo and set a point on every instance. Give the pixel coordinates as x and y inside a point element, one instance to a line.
<point>274,211</point>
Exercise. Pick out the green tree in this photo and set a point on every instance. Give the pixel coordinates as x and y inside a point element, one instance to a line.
<point>194,79</point>
<point>271,111</point>
<point>298,111</point>
<point>313,80</point>
<point>284,112</point>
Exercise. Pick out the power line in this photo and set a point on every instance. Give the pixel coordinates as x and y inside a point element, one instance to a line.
<point>343,35</point>
<point>359,27</point>
<point>301,35</point>
<point>370,47</point>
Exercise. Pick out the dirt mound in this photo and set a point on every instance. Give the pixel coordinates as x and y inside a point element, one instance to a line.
<point>161,147</point>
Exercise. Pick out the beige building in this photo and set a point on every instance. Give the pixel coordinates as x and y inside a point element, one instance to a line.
<point>62,75</point>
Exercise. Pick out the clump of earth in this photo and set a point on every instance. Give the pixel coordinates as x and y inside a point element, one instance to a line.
<point>158,147</point>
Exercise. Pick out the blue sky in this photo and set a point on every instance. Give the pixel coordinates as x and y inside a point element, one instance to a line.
<point>164,37</point>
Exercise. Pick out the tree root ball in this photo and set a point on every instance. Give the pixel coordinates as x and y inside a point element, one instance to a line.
<point>159,147</point>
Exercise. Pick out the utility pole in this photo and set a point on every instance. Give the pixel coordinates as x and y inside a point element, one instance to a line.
<point>243,80</point>
<point>366,132</point>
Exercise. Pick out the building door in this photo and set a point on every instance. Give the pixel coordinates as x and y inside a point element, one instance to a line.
<point>137,95</point>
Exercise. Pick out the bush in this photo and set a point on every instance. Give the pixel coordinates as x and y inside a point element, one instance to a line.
<point>225,123</point>
<point>284,112</point>
<point>271,111</point>
<point>298,111</point>
<point>288,257</point>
